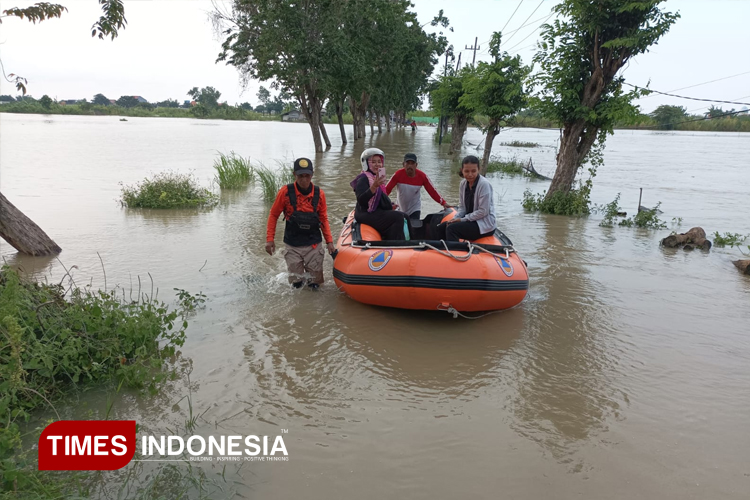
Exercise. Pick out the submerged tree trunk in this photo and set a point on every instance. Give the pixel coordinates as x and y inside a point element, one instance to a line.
<point>323,131</point>
<point>22,233</point>
<point>358,109</point>
<point>310,106</point>
<point>377,119</point>
<point>340,116</point>
<point>460,123</point>
<point>388,122</point>
<point>492,132</point>
<point>372,126</point>
<point>575,144</point>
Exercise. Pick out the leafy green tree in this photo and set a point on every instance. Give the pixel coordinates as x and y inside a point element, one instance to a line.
<point>714,112</point>
<point>580,56</point>
<point>127,101</point>
<point>169,103</point>
<point>246,106</point>
<point>263,95</point>
<point>666,116</point>
<point>496,91</point>
<point>101,100</point>
<point>446,99</point>
<point>46,101</point>
<point>207,96</point>
<point>6,98</point>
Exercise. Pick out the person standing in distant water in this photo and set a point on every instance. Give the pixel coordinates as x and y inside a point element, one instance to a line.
<point>409,182</point>
<point>306,214</point>
<point>413,125</point>
<point>374,208</point>
<point>476,211</point>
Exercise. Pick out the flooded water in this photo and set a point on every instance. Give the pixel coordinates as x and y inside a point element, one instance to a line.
<point>624,374</point>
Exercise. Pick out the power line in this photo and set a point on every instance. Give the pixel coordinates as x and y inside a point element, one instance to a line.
<point>705,83</point>
<point>684,97</point>
<point>537,8</point>
<point>527,36</point>
<point>511,16</point>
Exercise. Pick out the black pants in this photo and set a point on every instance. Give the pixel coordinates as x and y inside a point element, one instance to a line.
<point>389,223</point>
<point>415,215</point>
<point>462,231</point>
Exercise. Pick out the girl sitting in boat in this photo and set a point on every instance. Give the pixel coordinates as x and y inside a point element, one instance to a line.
<point>374,208</point>
<point>476,211</point>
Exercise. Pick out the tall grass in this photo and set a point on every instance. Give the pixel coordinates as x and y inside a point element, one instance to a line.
<point>168,190</point>
<point>272,180</point>
<point>233,171</point>
<point>520,144</point>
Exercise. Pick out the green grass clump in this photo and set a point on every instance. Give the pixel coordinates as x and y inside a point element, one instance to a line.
<point>168,190</point>
<point>645,219</point>
<point>272,180</point>
<point>54,340</point>
<point>510,167</point>
<point>520,144</point>
<point>233,171</point>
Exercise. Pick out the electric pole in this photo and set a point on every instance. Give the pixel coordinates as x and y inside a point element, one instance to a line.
<point>474,49</point>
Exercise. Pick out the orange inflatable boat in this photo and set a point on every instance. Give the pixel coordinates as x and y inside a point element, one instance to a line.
<point>483,275</point>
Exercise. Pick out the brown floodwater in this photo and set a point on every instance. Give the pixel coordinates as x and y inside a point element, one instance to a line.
<point>624,374</point>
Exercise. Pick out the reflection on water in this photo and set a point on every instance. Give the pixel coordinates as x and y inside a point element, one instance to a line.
<point>563,392</point>
<point>624,359</point>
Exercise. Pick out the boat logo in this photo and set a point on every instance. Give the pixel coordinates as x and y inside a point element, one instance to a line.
<point>505,265</point>
<point>378,260</point>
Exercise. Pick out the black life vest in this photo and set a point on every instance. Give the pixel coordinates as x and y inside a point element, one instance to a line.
<point>302,228</point>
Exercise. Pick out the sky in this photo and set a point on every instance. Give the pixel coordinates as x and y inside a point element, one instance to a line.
<point>169,47</point>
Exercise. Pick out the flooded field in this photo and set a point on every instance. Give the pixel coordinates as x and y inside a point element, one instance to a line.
<point>624,374</point>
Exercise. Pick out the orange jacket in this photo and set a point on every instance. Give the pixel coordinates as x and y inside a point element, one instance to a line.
<point>304,204</point>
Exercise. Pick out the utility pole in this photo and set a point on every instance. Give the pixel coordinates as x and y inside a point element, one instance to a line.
<point>448,52</point>
<point>458,64</point>
<point>474,49</point>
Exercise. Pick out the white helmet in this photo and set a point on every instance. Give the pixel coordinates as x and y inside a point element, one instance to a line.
<point>367,153</point>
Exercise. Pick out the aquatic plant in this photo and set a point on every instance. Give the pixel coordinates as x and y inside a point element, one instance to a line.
<point>233,171</point>
<point>610,211</point>
<point>645,219</point>
<point>511,167</point>
<point>58,338</point>
<point>520,144</point>
<point>272,180</point>
<point>168,190</point>
<point>730,239</point>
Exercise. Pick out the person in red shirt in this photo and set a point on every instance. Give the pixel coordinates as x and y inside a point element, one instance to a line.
<point>410,181</point>
<point>306,215</point>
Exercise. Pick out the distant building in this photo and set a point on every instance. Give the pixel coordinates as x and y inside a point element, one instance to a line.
<point>140,99</point>
<point>66,102</point>
<point>293,116</point>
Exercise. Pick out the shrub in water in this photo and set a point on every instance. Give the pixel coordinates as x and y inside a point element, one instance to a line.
<point>510,167</point>
<point>50,344</point>
<point>168,190</point>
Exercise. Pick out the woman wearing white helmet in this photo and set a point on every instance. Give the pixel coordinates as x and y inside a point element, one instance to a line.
<point>374,208</point>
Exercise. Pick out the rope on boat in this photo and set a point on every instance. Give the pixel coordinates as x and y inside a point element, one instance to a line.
<point>422,245</point>
<point>452,310</point>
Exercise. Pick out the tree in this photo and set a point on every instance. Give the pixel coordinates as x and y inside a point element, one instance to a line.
<point>263,95</point>
<point>127,101</point>
<point>46,101</point>
<point>446,98</point>
<point>6,98</point>
<point>496,91</point>
<point>169,103</point>
<point>246,106</point>
<point>666,116</point>
<point>714,112</point>
<point>101,100</point>
<point>207,96</point>
<point>580,56</point>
